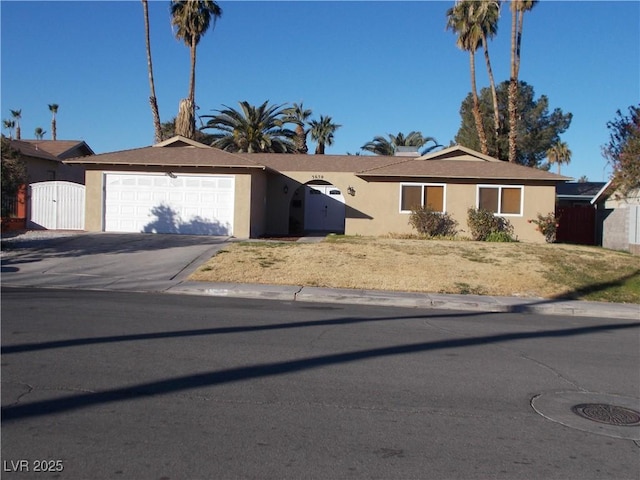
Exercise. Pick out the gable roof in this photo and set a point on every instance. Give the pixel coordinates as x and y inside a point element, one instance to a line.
<point>59,149</point>
<point>454,162</point>
<point>301,162</point>
<point>180,141</point>
<point>171,153</point>
<point>29,149</point>
<point>461,163</point>
<point>579,190</point>
<point>458,152</point>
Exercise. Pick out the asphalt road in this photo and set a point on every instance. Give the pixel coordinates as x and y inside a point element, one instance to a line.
<point>152,386</point>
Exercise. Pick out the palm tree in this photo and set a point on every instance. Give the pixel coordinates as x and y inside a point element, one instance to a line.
<point>53,107</point>
<point>460,19</point>
<point>10,125</point>
<point>191,19</point>
<point>559,154</point>
<point>299,115</point>
<point>153,101</point>
<point>17,115</point>
<point>518,7</point>
<point>322,132</point>
<point>487,14</point>
<point>252,129</point>
<point>39,133</point>
<point>381,146</point>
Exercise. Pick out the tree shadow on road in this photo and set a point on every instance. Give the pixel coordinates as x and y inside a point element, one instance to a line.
<point>246,373</point>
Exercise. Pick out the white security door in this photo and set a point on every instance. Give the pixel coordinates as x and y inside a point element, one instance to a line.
<point>169,203</point>
<point>56,205</point>
<point>324,208</point>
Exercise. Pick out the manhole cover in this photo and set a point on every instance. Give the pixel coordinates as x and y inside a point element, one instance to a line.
<point>615,416</point>
<point>609,414</point>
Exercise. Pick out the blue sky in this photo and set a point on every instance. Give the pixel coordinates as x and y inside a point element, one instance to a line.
<point>374,67</point>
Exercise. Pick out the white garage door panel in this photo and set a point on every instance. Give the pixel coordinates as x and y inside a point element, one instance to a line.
<point>187,204</point>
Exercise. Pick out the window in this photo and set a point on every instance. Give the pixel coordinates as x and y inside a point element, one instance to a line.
<point>415,195</point>
<point>499,199</point>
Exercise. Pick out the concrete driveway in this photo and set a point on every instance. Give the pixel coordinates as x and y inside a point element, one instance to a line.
<point>114,261</point>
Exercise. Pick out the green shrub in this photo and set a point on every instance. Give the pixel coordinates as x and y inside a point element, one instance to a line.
<point>499,237</point>
<point>484,223</point>
<point>432,224</point>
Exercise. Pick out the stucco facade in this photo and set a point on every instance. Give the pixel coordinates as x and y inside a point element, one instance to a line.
<point>620,219</point>
<point>373,209</point>
<point>249,197</point>
<point>271,191</point>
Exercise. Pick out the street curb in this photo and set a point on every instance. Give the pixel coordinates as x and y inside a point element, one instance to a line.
<point>477,303</point>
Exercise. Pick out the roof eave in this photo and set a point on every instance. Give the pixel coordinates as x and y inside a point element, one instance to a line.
<point>602,193</point>
<point>459,177</point>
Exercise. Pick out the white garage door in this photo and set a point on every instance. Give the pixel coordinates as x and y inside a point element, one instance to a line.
<point>163,203</point>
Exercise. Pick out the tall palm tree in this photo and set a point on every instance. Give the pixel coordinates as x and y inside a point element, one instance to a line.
<point>153,101</point>
<point>251,129</point>
<point>381,146</point>
<point>460,19</point>
<point>9,125</point>
<point>518,7</point>
<point>322,132</point>
<point>53,107</point>
<point>39,133</point>
<point>559,154</point>
<point>17,115</point>
<point>191,20</point>
<point>298,115</point>
<point>487,14</point>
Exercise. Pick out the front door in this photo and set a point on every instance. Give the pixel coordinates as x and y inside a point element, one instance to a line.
<point>324,209</point>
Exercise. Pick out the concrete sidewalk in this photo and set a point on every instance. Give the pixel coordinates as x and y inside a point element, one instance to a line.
<point>478,303</point>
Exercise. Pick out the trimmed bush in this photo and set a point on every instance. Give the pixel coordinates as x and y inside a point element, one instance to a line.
<point>485,226</point>
<point>432,224</point>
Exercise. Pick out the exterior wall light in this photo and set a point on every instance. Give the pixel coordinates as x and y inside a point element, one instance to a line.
<point>351,191</point>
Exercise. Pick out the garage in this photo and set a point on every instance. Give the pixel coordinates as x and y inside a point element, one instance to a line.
<point>169,203</point>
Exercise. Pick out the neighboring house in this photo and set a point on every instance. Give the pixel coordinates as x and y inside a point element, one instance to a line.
<point>44,159</point>
<point>577,194</point>
<point>618,219</point>
<point>181,186</point>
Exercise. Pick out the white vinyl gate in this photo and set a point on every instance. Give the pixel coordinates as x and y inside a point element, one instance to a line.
<point>56,206</point>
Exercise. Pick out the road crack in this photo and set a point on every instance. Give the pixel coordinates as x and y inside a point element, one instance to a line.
<point>28,387</point>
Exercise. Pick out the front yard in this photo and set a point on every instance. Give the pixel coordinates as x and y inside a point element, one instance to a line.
<point>436,266</point>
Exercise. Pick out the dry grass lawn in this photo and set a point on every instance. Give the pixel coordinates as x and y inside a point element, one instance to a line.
<point>434,266</point>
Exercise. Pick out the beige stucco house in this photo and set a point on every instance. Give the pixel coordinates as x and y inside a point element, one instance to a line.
<point>181,186</point>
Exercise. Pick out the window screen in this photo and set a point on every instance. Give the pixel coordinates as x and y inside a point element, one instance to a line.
<point>488,199</point>
<point>510,200</point>
<point>434,197</point>
<point>411,197</point>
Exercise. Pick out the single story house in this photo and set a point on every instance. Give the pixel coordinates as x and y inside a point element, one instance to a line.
<point>44,159</point>
<point>181,186</point>
<point>618,218</point>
